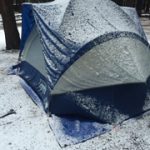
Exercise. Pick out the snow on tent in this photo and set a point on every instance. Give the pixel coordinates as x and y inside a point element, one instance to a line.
<point>85,58</point>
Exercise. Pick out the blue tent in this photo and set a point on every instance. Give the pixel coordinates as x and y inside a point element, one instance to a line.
<point>84,58</point>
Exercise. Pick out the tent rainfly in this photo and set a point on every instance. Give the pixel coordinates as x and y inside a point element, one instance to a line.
<point>84,58</point>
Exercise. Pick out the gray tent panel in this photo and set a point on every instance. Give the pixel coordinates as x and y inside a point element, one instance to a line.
<point>118,61</point>
<point>33,52</point>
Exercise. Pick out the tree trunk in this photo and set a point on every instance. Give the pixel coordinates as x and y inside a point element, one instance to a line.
<point>139,7</point>
<point>9,24</point>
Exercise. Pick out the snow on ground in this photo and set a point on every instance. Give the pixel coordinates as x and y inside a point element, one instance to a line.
<point>2,40</point>
<point>27,127</point>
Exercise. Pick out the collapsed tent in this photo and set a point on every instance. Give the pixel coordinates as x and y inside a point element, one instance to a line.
<point>85,58</point>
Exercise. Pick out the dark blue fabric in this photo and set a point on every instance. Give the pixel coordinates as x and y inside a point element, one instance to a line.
<point>36,81</point>
<point>27,23</point>
<point>104,103</point>
<point>70,130</point>
<point>32,94</point>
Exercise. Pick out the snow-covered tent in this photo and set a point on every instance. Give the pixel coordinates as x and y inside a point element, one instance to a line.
<point>88,58</point>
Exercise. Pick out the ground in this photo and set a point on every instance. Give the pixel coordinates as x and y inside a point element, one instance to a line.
<point>23,126</point>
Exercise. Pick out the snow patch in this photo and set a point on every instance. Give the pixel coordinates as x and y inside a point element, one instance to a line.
<point>2,38</point>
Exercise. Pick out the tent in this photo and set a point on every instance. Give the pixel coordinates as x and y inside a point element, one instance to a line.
<point>84,58</point>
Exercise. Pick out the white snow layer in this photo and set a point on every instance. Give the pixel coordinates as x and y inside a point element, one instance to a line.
<point>2,38</point>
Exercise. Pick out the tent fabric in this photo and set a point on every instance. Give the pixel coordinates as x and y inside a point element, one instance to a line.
<point>70,131</point>
<point>75,48</point>
<point>57,51</point>
<point>37,82</point>
<point>134,16</point>
<point>27,24</point>
<point>105,69</point>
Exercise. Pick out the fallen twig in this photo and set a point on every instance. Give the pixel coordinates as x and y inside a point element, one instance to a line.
<point>11,111</point>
